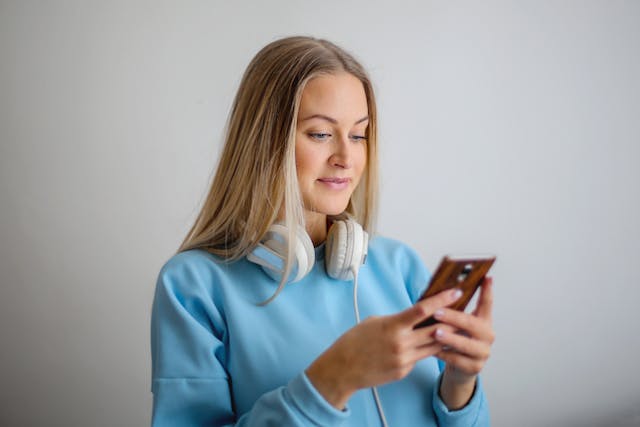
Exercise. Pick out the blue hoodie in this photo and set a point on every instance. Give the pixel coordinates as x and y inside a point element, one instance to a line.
<point>219,359</point>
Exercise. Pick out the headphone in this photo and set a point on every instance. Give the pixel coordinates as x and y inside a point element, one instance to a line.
<point>345,250</point>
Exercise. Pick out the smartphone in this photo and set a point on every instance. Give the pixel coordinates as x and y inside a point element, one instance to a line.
<point>464,272</point>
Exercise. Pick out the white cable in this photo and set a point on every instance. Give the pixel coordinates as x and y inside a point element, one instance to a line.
<point>354,271</point>
<point>355,309</point>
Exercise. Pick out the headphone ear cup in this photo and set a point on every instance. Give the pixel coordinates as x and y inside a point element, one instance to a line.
<point>271,253</point>
<point>346,249</point>
<point>336,250</point>
<point>305,254</point>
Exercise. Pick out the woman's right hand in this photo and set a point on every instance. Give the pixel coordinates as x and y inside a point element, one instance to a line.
<point>378,350</point>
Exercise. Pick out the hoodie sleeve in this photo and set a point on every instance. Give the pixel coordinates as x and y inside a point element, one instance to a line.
<point>474,414</point>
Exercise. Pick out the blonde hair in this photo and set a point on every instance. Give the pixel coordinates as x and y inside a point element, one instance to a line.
<point>256,174</point>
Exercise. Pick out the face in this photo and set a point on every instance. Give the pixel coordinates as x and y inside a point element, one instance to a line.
<point>331,145</point>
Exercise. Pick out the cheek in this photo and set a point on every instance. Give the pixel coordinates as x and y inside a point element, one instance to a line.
<point>362,160</point>
<point>304,161</point>
<point>308,157</point>
<point>299,156</point>
<point>300,162</point>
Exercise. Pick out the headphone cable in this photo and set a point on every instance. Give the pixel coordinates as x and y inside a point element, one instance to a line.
<point>357,311</point>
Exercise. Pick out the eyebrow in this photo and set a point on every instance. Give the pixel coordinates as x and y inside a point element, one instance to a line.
<point>331,119</point>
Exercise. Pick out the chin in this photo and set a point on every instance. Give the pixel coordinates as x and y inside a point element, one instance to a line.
<point>335,209</point>
<point>331,209</point>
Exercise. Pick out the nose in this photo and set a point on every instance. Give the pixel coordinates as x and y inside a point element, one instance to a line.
<point>342,155</point>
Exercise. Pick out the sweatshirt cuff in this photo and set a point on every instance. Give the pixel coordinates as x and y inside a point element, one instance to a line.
<point>465,416</point>
<point>313,405</point>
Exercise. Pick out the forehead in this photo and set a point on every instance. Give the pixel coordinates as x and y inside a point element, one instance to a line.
<point>341,96</point>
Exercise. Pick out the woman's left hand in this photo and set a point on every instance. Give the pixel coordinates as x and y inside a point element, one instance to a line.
<point>468,338</point>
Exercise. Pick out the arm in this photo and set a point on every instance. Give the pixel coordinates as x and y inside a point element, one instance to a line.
<point>377,351</point>
<point>456,401</point>
<point>364,350</point>
<point>467,339</point>
<point>189,383</point>
<point>475,413</point>
<point>191,386</point>
<point>384,349</point>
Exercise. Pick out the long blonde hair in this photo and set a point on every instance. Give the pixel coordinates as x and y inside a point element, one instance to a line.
<point>256,174</point>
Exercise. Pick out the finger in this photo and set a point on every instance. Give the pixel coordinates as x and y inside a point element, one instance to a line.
<point>426,307</point>
<point>426,351</point>
<point>461,362</point>
<point>485,301</point>
<point>423,336</point>
<point>470,347</point>
<point>475,326</point>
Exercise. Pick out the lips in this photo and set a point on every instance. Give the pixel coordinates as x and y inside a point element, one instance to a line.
<point>336,180</point>
<point>335,183</point>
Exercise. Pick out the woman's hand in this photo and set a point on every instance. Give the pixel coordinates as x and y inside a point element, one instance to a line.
<point>466,340</point>
<point>378,350</point>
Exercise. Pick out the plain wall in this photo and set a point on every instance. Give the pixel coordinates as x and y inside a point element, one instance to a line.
<point>510,127</point>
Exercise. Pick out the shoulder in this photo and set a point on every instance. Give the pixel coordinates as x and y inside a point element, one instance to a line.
<point>199,274</point>
<point>186,311</point>
<point>191,272</point>
<point>189,261</point>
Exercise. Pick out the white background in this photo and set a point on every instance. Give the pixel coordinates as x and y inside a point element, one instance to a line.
<point>510,127</point>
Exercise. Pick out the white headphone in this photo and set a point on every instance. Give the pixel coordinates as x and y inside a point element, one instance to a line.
<point>345,250</point>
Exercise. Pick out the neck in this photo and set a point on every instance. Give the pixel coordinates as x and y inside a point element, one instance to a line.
<point>316,225</point>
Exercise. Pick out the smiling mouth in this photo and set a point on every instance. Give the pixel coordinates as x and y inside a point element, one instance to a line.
<point>335,183</point>
<point>335,180</point>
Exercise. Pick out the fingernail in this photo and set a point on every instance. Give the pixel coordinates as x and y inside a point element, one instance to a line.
<point>439,313</point>
<point>457,294</point>
<point>439,333</point>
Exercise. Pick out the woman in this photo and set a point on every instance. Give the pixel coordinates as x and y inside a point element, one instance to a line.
<point>234,342</point>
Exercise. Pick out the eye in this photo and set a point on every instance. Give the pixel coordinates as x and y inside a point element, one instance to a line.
<point>359,138</point>
<point>319,136</point>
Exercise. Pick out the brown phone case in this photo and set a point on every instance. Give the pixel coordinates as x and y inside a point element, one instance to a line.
<point>463,272</point>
